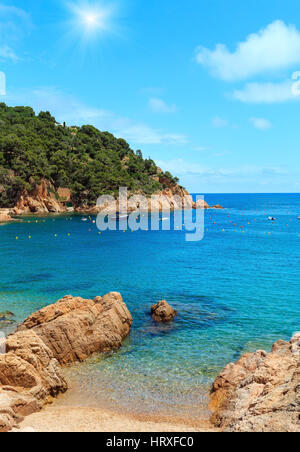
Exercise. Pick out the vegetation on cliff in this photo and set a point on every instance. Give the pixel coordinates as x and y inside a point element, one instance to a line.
<point>88,162</point>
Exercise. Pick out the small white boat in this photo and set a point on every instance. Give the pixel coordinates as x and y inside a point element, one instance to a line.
<point>84,219</point>
<point>272,219</point>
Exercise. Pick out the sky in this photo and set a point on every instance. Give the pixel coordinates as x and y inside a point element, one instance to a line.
<point>209,89</point>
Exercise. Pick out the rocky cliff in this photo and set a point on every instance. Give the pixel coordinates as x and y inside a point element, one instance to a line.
<point>44,199</point>
<point>68,331</point>
<point>261,392</point>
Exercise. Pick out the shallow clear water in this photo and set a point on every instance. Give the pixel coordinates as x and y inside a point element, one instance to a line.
<point>234,291</point>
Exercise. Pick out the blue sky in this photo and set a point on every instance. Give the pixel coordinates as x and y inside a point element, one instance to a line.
<point>204,87</point>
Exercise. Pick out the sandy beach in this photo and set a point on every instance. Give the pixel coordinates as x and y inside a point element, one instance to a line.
<point>53,419</point>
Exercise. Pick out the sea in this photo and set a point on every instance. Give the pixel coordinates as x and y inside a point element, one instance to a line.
<point>236,291</point>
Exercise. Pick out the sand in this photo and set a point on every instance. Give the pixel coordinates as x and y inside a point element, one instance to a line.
<point>62,419</point>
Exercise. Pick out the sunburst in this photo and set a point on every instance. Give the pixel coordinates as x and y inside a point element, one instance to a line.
<point>90,19</point>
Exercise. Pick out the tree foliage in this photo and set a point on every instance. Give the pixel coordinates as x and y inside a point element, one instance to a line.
<point>89,162</point>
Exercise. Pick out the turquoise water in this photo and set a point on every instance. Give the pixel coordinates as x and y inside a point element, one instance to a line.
<point>235,292</point>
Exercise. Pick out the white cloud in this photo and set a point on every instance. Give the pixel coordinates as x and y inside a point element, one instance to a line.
<point>201,148</point>
<point>261,123</point>
<point>273,48</point>
<point>14,22</point>
<point>7,53</point>
<point>266,93</point>
<point>240,178</point>
<point>160,106</point>
<point>73,112</point>
<point>219,122</point>
<point>181,167</point>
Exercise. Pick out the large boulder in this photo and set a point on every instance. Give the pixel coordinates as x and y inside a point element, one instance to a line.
<point>75,328</point>
<point>14,405</point>
<point>162,312</point>
<point>261,392</point>
<point>70,330</point>
<point>29,377</point>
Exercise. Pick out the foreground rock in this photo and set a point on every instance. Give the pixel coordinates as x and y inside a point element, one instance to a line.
<point>163,312</point>
<point>68,331</point>
<point>261,392</point>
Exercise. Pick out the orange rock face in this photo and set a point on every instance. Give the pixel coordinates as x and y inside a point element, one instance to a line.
<point>261,392</point>
<point>75,328</point>
<point>4,218</point>
<point>201,204</point>
<point>70,330</point>
<point>41,200</point>
<point>163,312</point>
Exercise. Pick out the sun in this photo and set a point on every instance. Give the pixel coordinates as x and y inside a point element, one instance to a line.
<point>91,19</point>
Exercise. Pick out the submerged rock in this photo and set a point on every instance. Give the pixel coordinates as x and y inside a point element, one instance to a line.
<point>6,318</point>
<point>70,330</point>
<point>163,312</point>
<point>7,314</point>
<point>261,392</point>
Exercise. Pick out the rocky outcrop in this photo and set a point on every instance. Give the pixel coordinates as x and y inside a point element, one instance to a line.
<point>201,204</point>
<point>42,200</point>
<point>261,392</point>
<point>75,328</point>
<point>46,199</point>
<point>162,312</point>
<point>218,207</point>
<point>5,216</point>
<point>70,330</point>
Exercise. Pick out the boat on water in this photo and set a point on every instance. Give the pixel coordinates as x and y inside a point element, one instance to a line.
<point>84,219</point>
<point>118,216</point>
<point>272,219</point>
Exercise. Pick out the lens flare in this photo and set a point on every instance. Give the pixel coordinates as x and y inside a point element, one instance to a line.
<point>90,19</point>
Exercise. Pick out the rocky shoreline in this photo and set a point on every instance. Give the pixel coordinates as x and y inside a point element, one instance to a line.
<point>259,393</point>
<point>45,200</point>
<point>60,334</point>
